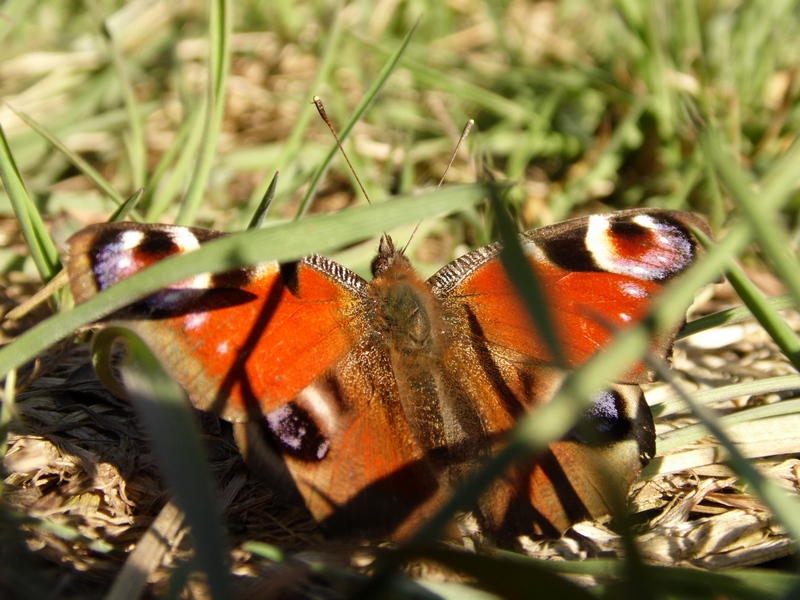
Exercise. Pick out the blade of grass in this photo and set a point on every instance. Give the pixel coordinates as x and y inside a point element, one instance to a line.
<point>84,167</point>
<point>40,245</point>
<point>135,139</point>
<point>7,415</point>
<point>185,148</point>
<point>733,315</point>
<point>362,107</point>
<point>221,22</point>
<point>519,271</point>
<point>124,211</point>
<point>771,385</point>
<point>318,233</point>
<point>691,433</point>
<point>770,320</point>
<point>507,579</point>
<point>165,411</point>
<point>760,216</point>
<point>263,208</point>
<point>148,554</point>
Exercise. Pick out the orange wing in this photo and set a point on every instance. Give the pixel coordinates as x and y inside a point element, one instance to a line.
<point>242,343</point>
<point>285,352</point>
<point>598,274</point>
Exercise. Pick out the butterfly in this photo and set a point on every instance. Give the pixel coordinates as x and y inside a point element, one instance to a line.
<point>371,401</point>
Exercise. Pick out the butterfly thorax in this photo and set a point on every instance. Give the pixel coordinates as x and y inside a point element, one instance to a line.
<point>405,309</point>
<point>412,338</point>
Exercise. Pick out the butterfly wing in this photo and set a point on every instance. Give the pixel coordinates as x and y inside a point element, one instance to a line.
<point>231,339</point>
<point>372,412</point>
<point>598,274</point>
<point>284,351</point>
<point>350,450</point>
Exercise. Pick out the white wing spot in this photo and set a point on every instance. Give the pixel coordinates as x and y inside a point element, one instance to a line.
<point>323,448</point>
<point>316,400</point>
<point>649,222</point>
<point>195,320</point>
<point>633,290</point>
<point>129,239</point>
<point>533,250</point>
<point>184,239</point>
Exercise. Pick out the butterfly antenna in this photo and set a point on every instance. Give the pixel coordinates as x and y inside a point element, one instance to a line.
<point>321,110</point>
<point>464,134</point>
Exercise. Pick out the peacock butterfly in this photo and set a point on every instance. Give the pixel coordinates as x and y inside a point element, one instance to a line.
<point>372,400</point>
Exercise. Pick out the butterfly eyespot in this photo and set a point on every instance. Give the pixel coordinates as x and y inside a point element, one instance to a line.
<point>604,422</point>
<point>296,433</point>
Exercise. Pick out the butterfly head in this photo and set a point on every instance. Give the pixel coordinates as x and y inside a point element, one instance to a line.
<point>388,257</point>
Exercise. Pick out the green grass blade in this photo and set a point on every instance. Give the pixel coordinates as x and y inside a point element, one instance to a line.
<point>786,339</point>
<point>318,233</point>
<point>770,385</point>
<point>7,415</point>
<point>165,411</point>
<point>135,139</point>
<point>509,579</point>
<point>183,155</point>
<point>733,315</point>
<point>691,433</point>
<point>219,45</point>
<point>760,214</point>
<point>40,245</point>
<point>124,211</point>
<point>362,107</point>
<point>263,208</point>
<point>84,167</point>
<point>530,290</point>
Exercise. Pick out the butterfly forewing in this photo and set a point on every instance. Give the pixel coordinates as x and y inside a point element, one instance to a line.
<point>598,274</point>
<point>243,342</point>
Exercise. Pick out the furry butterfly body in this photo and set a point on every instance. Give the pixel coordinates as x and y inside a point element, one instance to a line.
<point>372,400</point>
